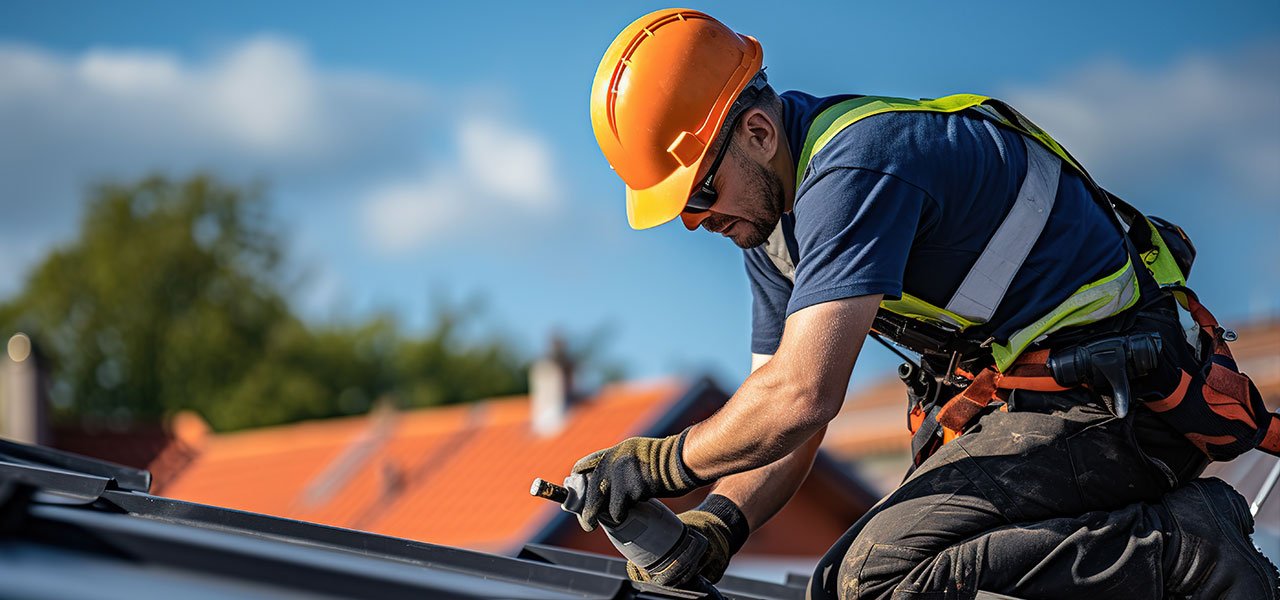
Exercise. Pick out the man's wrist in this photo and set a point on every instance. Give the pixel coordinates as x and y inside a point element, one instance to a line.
<point>689,476</point>
<point>732,516</point>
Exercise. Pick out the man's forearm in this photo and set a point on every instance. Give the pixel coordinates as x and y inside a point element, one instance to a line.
<point>783,403</point>
<point>760,493</point>
<point>765,420</point>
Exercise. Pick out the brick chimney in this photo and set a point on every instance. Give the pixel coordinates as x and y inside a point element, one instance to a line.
<point>551,389</point>
<point>23,409</point>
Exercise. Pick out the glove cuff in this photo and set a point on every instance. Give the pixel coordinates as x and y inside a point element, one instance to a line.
<point>687,474</point>
<point>732,516</point>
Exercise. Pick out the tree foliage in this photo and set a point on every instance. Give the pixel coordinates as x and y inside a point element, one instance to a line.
<point>169,299</point>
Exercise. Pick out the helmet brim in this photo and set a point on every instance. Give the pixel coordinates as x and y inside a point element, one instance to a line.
<point>659,204</point>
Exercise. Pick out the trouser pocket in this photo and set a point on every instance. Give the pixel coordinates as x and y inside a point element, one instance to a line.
<point>879,571</point>
<point>1111,468</point>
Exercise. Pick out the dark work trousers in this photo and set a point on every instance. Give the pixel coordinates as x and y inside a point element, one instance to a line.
<point>1046,502</point>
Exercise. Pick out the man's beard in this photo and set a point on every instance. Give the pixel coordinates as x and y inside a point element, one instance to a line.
<point>763,206</point>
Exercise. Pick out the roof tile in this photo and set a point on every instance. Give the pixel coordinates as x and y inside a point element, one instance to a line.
<point>455,475</point>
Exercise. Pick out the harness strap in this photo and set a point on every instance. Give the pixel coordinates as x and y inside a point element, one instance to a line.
<point>936,425</point>
<point>1029,372</point>
<point>1271,441</point>
<point>1224,417</point>
<point>926,434</point>
<point>1228,396</point>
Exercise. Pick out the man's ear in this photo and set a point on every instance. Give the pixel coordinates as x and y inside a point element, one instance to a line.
<point>760,135</point>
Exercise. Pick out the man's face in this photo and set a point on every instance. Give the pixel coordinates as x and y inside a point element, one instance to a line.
<point>749,199</point>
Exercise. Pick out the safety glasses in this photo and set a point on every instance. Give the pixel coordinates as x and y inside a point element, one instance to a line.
<point>705,196</point>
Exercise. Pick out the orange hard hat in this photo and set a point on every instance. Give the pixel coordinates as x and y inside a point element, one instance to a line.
<point>661,93</point>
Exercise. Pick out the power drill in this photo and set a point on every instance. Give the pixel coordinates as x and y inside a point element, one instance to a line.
<point>650,536</point>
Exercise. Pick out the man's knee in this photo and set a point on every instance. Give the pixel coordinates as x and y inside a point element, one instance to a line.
<point>879,570</point>
<point>877,561</point>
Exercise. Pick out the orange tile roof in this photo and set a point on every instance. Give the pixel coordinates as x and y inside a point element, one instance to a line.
<point>1257,353</point>
<point>456,475</point>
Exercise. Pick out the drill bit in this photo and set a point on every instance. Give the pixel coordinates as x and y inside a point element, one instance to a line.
<point>545,489</point>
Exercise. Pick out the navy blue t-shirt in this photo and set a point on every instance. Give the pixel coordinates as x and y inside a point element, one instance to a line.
<point>908,200</point>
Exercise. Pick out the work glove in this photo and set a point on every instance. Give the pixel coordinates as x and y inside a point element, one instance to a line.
<point>633,471</point>
<point>720,521</point>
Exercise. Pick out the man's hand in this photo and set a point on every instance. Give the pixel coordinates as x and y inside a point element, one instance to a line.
<point>633,471</point>
<point>720,521</point>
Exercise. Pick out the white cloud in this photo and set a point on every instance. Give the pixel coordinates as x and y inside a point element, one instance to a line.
<point>503,174</point>
<point>506,162</point>
<point>129,74</point>
<point>401,216</point>
<point>1203,115</point>
<point>266,96</point>
<point>259,108</point>
<point>261,101</point>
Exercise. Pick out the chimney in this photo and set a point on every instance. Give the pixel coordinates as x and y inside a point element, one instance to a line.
<point>551,389</point>
<point>23,410</point>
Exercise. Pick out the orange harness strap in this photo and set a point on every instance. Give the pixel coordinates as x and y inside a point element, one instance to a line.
<point>1029,372</point>
<point>1271,441</point>
<point>1228,398</point>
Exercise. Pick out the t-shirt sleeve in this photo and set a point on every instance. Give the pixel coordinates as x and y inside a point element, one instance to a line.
<point>854,228</point>
<point>769,294</point>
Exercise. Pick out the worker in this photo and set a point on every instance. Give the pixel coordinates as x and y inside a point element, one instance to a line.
<point>1059,414</point>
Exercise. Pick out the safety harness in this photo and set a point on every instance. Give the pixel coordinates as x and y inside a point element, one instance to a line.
<point>984,286</point>
<point>983,372</point>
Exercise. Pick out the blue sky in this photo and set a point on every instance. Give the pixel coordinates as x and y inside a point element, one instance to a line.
<point>418,149</point>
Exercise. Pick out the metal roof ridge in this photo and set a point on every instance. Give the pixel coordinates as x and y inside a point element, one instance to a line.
<point>120,476</point>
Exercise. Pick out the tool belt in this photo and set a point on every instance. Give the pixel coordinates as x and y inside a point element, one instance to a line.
<point>1197,390</point>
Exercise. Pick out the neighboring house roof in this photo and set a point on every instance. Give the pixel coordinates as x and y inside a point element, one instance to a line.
<point>456,475</point>
<point>78,528</point>
<point>873,420</point>
<point>459,475</point>
<point>1257,353</point>
<point>163,449</point>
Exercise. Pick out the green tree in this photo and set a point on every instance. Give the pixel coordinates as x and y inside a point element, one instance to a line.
<point>162,302</point>
<point>169,299</point>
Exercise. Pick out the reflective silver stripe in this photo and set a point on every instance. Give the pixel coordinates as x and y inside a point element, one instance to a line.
<point>986,283</point>
<point>1027,125</point>
<point>776,248</point>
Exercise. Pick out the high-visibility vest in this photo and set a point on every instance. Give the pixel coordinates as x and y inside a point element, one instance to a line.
<point>984,286</point>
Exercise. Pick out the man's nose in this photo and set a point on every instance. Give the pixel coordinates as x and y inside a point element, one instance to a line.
<point>693,220</point>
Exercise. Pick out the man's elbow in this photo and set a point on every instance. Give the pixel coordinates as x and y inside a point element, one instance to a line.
<point>815,358</point>
<point>811,402</point>
<point>818,408</point>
